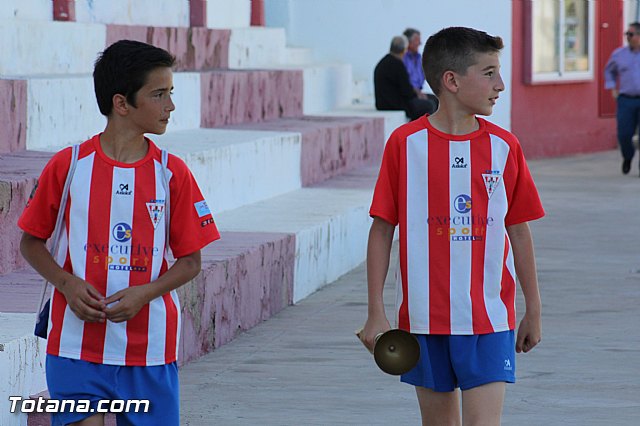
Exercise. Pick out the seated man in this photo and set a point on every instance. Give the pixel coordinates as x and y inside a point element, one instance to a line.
<point>391,84</point>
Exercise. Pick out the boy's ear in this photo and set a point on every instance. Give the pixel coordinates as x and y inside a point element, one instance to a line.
<point>120,105</point>
<point>449,81</point>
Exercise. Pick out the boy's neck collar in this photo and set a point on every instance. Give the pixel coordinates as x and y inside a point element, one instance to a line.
<point>122,148</point>
<point>453,125</point>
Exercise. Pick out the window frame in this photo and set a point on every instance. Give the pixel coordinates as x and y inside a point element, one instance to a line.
<point>560,76</point>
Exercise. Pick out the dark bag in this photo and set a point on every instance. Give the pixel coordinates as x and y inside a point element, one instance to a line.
<point>43,321</point>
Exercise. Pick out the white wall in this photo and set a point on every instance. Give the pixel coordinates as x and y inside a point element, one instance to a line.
<point>359,31</point>
<point>51,47</point>
<point>41,10</point>
<point>159,13</point>
<point>228,13</point>
<point>631,12</point>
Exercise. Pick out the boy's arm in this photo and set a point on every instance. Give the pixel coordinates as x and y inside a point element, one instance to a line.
<point>132,299</point>
<point>83,299</point>
<point>378,251</point>
<point>530,329</point>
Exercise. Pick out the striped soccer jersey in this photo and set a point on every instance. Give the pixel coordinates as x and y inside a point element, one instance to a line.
<point>453,197</point>
<point>114,239</point>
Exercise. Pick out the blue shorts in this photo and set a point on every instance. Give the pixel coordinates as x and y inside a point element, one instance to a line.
<point>447,362</point>
<point>72,379</point>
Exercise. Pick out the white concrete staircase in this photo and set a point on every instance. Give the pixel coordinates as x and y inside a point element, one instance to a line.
<point>283,226</point>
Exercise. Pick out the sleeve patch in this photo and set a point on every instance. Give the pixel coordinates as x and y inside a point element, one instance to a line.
<point>202,208</point>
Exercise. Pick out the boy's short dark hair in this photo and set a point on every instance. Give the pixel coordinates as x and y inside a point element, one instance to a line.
<point>123,67</point>
<point>454,49</point>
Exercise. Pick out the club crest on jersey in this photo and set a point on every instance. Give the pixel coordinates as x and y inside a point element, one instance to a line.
<point>156,211</point>
<point>491,181</point>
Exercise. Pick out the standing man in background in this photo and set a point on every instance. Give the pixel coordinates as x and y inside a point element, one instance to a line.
<point>622,77</point>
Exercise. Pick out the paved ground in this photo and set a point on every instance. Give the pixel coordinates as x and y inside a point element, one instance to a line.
<point>305,367</point>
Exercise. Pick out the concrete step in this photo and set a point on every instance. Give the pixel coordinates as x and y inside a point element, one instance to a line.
<point>234,166</point>
<point>298,55</point>
<point>195,48</point>
<point>18,174</point>
<point>36,111</point>
<point>330,222</point>
<point>13,115</point>
<point>22,359</point>
<point>54,47</point>
<point>243,96</point>
<point>44,48</point>
<point>228,14</point>
<point>257,47</point>
<point>38,10</point>
<point>207,99</point>
<point>330,145</point>
<point>246,278</point>
<point>392,119</point>
<point>238,167</point>
<point>327,86</point>
<point>162,13</point>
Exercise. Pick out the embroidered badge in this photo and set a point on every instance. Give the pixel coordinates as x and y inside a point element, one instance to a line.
<point>156,211</point>
<point>491,181</point>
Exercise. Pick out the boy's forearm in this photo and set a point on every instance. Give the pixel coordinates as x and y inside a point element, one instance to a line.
<point>524,260</point>
<point>378,252</point>
<point>181,272</point>
<point>35,252</point>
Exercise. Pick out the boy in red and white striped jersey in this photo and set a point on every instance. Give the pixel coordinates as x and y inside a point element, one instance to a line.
<point>460,191</point>
<point>115,316</point>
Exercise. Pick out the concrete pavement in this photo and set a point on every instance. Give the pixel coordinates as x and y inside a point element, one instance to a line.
<point>305,366</point>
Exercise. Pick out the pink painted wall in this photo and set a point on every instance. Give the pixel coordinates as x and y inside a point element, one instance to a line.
<point>13,115</point>
<point>331,145</point>
<point>246,278</point>
<point>555,119</point>
<point>196,49</point>
<point>18,174</point>
<point>233,97</point>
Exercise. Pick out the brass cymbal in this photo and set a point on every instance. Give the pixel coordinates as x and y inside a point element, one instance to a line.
<point>396,352</point>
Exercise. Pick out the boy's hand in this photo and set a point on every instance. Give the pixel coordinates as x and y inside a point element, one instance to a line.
<point>529,332</point>
<point>84,300</point>
<point>375,325</point>
<point>129,302</point>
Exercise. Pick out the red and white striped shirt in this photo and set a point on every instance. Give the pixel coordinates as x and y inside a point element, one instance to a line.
<point>114,239</point>
<point>453,197</point>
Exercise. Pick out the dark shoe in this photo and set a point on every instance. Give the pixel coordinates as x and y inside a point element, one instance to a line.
<point>626,166</point>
